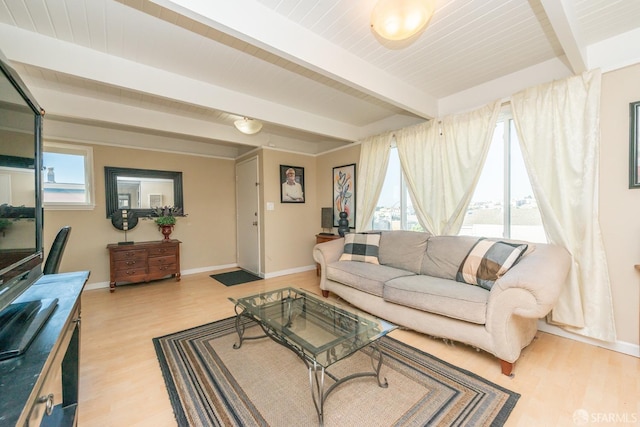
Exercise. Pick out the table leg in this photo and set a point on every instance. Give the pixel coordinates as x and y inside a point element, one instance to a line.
<point>317,376</point>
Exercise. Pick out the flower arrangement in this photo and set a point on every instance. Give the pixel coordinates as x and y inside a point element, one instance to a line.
<point>166,215</point>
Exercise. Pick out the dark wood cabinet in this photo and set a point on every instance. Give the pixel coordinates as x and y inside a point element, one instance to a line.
<point>143,261</point>
<point>40,387</point>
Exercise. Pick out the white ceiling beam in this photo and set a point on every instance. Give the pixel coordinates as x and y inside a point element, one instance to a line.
<point>164,131</point>
<point>51,54</point>
<point>563,20</point>
<point>59,129</point>
<point>78,107</point>
<point>259,26</point>
<point>615,52</point>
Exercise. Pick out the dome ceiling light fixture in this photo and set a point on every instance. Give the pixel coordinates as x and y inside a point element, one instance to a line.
<point>248,126</point>
<point>400,19</point>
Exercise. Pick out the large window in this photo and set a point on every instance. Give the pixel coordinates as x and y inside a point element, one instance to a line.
<point>67,176</point>
<point>503,204</point>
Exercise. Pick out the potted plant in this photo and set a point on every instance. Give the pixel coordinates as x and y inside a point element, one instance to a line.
<point>165,218</point>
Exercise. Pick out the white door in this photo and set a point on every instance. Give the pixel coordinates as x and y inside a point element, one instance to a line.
<point>247,200</point>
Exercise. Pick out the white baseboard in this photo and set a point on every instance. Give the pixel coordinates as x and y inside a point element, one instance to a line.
<point>100,285</point>
<point>618,346</point>
<point>290,271</point>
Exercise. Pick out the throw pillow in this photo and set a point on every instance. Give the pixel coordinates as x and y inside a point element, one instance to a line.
<point>487,261</point>
<point>362,247</point>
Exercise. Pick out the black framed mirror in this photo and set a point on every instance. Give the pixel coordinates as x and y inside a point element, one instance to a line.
<point>141,190</point>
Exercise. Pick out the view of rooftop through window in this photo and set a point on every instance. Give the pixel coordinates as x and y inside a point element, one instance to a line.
<point>65,175</point>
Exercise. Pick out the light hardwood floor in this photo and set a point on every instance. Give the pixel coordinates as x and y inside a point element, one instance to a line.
<point>121,383</point>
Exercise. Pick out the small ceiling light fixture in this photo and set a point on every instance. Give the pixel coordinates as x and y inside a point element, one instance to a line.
<point>248,126</point>
<point>400,19</point>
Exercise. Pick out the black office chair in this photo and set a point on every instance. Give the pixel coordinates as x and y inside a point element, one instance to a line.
<point>52,265</point>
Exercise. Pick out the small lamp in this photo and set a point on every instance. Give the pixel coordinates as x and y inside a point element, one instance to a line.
<point>400,19</point>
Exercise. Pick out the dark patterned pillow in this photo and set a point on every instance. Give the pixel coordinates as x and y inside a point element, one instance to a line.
<point>487,261</point>
<point>362,247</point>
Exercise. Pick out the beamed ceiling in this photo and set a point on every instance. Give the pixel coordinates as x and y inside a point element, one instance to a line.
<point>174,74</point>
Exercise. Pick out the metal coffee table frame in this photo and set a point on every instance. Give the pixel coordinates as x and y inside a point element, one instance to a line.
<point>284,315</point>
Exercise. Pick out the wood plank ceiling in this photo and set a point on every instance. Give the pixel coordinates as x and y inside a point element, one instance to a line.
<point>157,72</point>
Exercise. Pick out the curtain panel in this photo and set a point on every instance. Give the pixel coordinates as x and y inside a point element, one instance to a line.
<point>442,161</point>
<point>559,129</point>
<point>374,159</point>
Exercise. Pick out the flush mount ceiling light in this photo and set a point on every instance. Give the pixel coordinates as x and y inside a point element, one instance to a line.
<point>248,126</point>
<point>400,19</point>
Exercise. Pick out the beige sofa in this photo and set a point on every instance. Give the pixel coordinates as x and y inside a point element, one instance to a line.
<point>414,286</point>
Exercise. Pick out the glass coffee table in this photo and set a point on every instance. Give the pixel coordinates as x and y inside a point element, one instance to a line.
<point>317,330</point>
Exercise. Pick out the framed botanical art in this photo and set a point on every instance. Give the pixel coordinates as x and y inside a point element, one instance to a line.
<point>344,193</point>
<point>634,141</point>
<point>292,188</point>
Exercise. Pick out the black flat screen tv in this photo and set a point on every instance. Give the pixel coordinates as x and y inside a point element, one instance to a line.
<point>21,216</point>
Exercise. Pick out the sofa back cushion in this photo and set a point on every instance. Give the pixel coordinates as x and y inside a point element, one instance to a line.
<point>445,254</point>
<point>403,249</point>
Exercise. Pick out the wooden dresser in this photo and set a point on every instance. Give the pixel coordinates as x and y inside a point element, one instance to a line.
<point>144,261</point>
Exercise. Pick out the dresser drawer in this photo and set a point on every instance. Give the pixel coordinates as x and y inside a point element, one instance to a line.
<point>161,260</point>
<point>130,274</point>
<point>162,270</point>
<point>161,250</point>
<point>129,264</point>
<point>139,255</point>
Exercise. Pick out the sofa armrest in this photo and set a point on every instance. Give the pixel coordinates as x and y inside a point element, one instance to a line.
<point>326,253</point>
<point>541,274</point>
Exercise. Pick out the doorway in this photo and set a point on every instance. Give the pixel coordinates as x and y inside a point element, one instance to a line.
<point>248,215</point>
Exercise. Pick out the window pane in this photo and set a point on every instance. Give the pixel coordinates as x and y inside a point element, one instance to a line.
<point>526,223</point>
<point>387,215</point>
<point>65,176</point>
<point>485,215</point>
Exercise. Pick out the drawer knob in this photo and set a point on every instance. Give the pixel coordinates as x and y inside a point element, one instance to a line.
<point>48,401</point>
<point>130,262</point>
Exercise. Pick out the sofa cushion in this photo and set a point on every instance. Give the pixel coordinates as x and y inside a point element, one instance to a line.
<point>363,276</point>
<point>487,261</point>
<point>403,249</point>
<point>361,247</point>
<point>441,296</point>
<point>445,254</point>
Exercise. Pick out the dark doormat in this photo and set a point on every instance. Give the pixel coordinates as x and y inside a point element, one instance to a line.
<point>235,277</point>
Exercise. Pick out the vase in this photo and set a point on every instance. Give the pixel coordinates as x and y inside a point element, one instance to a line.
<point>166,231</point>
<point>343,224</point>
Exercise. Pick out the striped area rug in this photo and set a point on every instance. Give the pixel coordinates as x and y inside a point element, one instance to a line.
<point>264,384</point>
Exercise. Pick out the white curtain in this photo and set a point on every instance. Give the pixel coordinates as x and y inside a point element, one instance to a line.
<point>559,130</point>
<point>374,158</point>
<point>442,161</point>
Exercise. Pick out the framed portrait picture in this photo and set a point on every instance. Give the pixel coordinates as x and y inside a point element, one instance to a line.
<point>344,193</point>
<point>634,140</point>
<point>292,188</point>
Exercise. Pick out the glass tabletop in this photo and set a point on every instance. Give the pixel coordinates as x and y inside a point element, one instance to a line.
<point>323,330</point>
